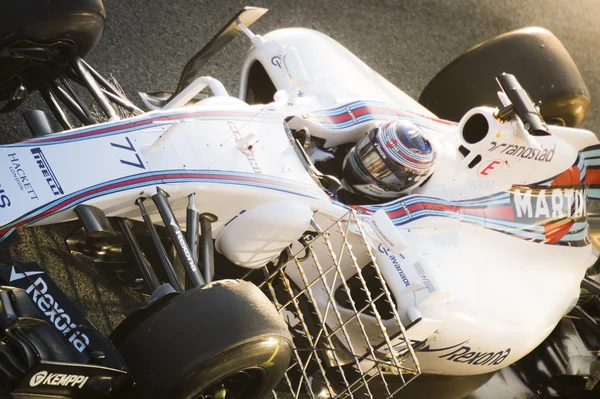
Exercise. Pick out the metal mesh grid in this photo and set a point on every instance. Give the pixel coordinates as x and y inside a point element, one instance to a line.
<point>349,339</point>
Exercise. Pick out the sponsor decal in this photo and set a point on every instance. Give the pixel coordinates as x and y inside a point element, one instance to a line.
<point>14,275</point>
<point>386,231</point>
<point>406,210</point>
<point>129,147</point>
<point>380,150</point>
<point>20,176</point>
<point>38,378</point>
<point>556,208</point>
<point>49,175</point>
<point>285,66</point>
<point>188,255</point>
<point>424,278</point>
<point>464,354</point>
<point>38,292</point>
<point>351,115</point>
<point>58,379</point>
<point>276,61</point>
<point>550,203</point>
<point>247,151</point>
<point>461,353</point>
<point>4,200</point>
<point>489,168</point>
<point>392,257</point>
<point>522,151</point>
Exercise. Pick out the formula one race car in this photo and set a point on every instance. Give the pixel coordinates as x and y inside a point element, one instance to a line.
<point>269,231</point>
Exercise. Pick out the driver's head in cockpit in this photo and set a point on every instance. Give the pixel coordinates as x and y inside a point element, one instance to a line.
<point>391,160</point>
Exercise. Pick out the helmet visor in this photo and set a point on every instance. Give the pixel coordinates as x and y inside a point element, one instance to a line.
<point>390,175</point>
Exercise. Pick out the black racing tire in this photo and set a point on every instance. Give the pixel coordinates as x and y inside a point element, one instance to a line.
<point>78,22</point>
<point>43,21</point>
<point>538,60</point>
<point>225,332</point>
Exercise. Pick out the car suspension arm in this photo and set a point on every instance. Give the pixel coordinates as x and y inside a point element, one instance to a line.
<point>145,267</point>
<point>84,73</point>
<point>181,246</point>
<point>162,253</point>
<point>208,250</point>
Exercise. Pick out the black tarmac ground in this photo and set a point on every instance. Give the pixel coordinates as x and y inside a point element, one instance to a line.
<point>147,43</point>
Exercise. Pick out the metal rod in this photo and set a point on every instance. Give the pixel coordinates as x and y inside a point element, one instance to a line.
<point>586,318</point>
<point>116,98</point>
<point>178,265</point>
<point>596,302</point>
<point>100,79</point>
<point>590,285</point>
<point>55,107</point>
<point>94,88</point>
<point>73,93</point>
<point>162,253</point>
<point>166,213</point>
<point>140,258</point>
<point>111,92</point>
<point>70,103</point>
<point>207,245</point>
<point>191,228</point>
<point>120,101</point>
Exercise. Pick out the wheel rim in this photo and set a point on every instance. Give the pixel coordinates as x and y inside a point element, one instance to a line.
<point>238,385</point>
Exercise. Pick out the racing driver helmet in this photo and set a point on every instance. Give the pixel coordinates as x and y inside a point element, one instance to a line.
<point>393,158</point>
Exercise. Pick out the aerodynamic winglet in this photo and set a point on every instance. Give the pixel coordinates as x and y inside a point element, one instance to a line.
<point>247,16</point>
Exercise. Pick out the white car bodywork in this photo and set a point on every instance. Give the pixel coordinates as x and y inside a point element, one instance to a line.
<point>491,257</point>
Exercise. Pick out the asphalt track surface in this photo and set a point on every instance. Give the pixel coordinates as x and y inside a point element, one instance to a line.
<point>147,43</point>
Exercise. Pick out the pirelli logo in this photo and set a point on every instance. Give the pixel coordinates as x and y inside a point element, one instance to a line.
<point>47,171</point>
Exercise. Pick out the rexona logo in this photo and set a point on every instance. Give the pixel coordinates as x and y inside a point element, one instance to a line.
<point>186,253</point>
<point>464,354</point>
<point>56,314</point>
<point>550,203</point>
<point>57,379</point>
<point>461,353</point>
